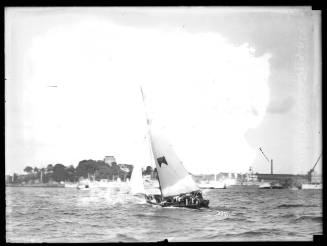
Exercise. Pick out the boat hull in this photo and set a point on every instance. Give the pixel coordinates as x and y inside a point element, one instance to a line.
<point>271,187</point>
<point>311,186</point>
<point>265,186</point>
<point>168,203</point>
<point>277,187</point>
<point>203,204</point>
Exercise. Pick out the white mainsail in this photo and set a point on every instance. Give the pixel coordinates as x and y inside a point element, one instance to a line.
<point>173,177</point>
<point>136,182</point>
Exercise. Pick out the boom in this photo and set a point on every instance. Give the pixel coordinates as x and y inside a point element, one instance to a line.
<point>264,155</point>
<point>269,161</point>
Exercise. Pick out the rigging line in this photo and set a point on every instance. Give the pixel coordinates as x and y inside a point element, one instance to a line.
<point>264,155</point>
<point>316,161</point>
<point>149,135</point>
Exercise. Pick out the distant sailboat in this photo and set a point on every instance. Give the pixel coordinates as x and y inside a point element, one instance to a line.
<point>136,182</point>
<point>84,184</point>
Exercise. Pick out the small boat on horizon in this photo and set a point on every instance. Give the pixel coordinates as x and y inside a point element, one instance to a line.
<point>267,185</point>
<point>84,184</point>
<point>83,187</point>
<point>311,186</point>
<point>277,186</point>
<point>294,188</point>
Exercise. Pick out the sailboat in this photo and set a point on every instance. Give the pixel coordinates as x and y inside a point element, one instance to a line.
<point>177,187</point>
<point>84,184</point>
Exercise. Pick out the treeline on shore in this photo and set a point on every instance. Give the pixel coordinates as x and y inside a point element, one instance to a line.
<point>85,169</point>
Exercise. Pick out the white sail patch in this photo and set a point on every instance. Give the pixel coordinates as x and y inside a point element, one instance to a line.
<point>182,186</point>
<point>136,182</point>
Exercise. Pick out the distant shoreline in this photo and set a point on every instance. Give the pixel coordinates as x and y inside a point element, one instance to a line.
<point>37,185</point>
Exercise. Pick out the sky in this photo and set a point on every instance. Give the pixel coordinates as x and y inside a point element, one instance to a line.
<point>222,81</point>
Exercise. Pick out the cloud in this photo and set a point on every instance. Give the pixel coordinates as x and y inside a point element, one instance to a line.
<point>281,107</point>
<point>204,90</point>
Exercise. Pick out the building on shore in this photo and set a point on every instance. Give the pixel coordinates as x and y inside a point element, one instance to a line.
<point>109,159</point>
<point>282,178</point>
<point>212,177</point>
<point>8,179</point>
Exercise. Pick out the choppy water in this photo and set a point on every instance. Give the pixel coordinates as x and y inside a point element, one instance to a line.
<point>106,215</point>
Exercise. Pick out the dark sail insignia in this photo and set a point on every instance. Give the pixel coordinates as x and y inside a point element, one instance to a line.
<point>162,160</point>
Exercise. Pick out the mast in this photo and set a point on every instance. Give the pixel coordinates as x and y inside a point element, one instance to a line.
<point>152,155</point>
<point>312,169</point>
<point>269,161</point>
<point>149,134</point>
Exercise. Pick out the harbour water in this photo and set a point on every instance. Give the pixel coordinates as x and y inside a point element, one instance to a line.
<point>108,215</point>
